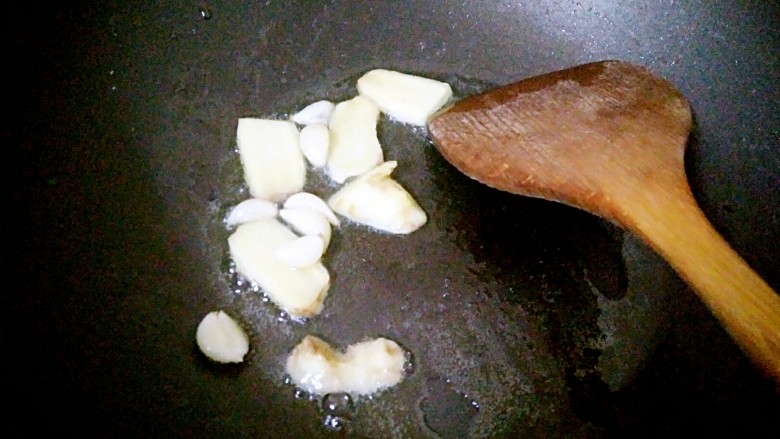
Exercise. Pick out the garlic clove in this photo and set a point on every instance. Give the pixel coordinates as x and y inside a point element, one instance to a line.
<point>221,339</point>
<point>317,113</point>
<point>308,200</point>
<point>250,210</point>
<point>315,143</point>
<point>307,222</point>
<point>302,252</point>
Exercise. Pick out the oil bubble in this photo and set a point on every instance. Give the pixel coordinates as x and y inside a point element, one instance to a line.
<point>333,423</point>
<point>337,404</point>
<point>205,11</point>
<point>409,364</point>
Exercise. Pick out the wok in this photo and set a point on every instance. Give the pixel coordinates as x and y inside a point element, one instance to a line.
<point>121,130</point>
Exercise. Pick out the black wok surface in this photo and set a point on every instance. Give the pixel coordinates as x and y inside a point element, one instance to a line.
<point>120,125</point>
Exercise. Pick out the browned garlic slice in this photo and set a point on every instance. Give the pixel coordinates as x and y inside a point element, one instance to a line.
<point>221,339</point>
<point>365,367</point>
<point>354,146</point>
<point>271,157</point>
<point>407,98</point>
<point>376,200</point>
<point>299,291</point>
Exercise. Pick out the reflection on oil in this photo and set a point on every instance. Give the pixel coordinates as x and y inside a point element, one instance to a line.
<point>446,412</point>
<point>564,267</point>
<point>204,10</point>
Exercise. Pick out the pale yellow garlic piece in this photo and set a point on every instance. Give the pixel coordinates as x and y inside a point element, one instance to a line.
<point>407,98</point>
<point>354,146</point>
<point>271,157</point>
<point>299,291</point>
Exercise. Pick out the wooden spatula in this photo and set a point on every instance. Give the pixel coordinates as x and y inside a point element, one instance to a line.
<point>609,137</point>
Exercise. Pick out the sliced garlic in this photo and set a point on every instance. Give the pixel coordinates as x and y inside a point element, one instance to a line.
<point>354,146</point>
<point>250,210</point>
<point>376,200</point>
<point>302,252</point>
<point>365,367</point>
<point>315,143</point>
<point>407,98</point>
<point>299,291</point>
<point>271,157</point>
<point>307,222</point>
<point>310,201</point>
<point>318,112</point>
<point>220,338</point>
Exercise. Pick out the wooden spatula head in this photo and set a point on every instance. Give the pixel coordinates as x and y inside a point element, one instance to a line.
<point>580,136</point>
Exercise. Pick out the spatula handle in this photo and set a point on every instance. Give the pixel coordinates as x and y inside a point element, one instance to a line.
<point>744,303</point>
